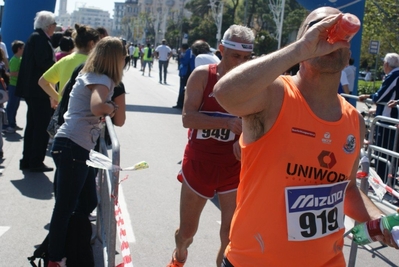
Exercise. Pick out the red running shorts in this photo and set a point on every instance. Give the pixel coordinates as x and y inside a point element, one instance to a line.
<point>206,179</point>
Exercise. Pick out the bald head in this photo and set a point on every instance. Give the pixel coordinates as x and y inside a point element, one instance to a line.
<point>316,16</point>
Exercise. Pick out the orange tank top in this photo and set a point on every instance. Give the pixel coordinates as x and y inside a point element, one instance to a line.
<point>292,185</point>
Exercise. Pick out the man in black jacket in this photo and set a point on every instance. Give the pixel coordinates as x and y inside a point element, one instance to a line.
<point>388,91</point>
<point>38,56</point>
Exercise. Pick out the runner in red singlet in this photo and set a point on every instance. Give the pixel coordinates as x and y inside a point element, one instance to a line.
<point>211,159</point>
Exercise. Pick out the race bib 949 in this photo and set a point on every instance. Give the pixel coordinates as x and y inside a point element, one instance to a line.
<point>314,211</point>
<point>223,135</point>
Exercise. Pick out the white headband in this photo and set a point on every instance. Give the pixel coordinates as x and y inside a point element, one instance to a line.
<point>238,46</point>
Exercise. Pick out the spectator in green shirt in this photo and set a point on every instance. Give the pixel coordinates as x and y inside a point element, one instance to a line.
<point>13,100</point>
<point>148,58</point>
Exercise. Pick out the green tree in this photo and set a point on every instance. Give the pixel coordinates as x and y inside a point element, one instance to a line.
<point>379,24</point>
<point>234,6</point>
<point>202,25</point>
<point>260,19</point>
<point>257,15</point>
<point>264,43</point>
<point>172,34</point>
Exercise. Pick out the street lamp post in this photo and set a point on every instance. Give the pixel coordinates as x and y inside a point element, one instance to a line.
<point>157,30</point>
<point>217,14</point>
<point>181,25</point>
<point>277,8</point>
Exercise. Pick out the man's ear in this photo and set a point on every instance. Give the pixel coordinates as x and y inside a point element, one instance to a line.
<point>221,48</point>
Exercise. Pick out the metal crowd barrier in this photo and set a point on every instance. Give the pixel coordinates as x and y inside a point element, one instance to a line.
<point>381,149</point>
<point>107,192</point>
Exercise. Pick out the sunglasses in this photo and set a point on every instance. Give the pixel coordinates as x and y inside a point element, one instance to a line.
<point>313,22</point>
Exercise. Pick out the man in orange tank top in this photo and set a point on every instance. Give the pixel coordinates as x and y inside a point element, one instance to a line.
<point>211,159</point>
<point>300,148</point>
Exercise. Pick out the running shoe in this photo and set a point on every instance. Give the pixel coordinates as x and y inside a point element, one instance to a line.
<point>9,129</point>
<point>174,262</point>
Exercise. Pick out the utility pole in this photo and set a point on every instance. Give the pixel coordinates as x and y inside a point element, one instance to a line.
<point>245,13</point>
<point>181,19</point>
<point>217,14</point>
<point>277,7</point>
<point>157,23</point>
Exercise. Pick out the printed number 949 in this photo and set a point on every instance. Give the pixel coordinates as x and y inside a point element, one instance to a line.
<point>222,134</point>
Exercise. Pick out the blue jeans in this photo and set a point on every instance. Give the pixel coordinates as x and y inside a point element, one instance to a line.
<point>149,62</point>
<point>74,189</point>
<point>12,106</point>
<point>182,88</point>
<point>163,66</point>
<point>1,127</point>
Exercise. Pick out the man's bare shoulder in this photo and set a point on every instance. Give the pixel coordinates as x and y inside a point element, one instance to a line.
<point>260,122</point>
<point>198,79</point>
<point>202,69</point>
<point>200,73</point>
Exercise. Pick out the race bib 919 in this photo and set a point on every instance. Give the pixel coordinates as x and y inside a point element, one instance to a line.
<point>314,211</point>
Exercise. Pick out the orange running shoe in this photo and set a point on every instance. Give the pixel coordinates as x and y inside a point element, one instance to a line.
<point>174,262</point>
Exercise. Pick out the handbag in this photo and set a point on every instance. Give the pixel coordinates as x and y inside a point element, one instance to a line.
<point>53,125</point>
<point>78,248</point>
<point>3,92</point>
<point>3,96</point>
<point>41,253</point>
<point>58,116</point>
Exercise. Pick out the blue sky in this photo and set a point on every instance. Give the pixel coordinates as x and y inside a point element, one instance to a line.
<point>107,5</point>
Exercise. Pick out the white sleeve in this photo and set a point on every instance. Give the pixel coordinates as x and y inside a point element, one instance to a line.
<point>344,78</point>
<point>197,62</point>
<point>3,46</point>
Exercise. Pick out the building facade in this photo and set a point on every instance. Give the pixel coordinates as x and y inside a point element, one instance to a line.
<point>63,7</point>
<point>92,16</point>
<point>119,13</point>
<point>139,18</point>
<point>133,20</point>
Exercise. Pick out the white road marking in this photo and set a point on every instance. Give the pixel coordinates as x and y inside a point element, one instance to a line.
<point>126,217</point>
<point>3,229</point>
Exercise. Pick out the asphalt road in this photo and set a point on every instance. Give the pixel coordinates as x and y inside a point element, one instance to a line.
<point>150,198</point>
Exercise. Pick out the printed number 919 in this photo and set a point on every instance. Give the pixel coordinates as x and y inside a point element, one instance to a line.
<point>307,222</point>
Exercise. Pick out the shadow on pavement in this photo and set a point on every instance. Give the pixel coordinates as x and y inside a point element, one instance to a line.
<point>14,137</point>
<point>153,109</point>
<point>215,201</point>
<point>96,246</point>
<point>35,185</point>
<point>375,252</point>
